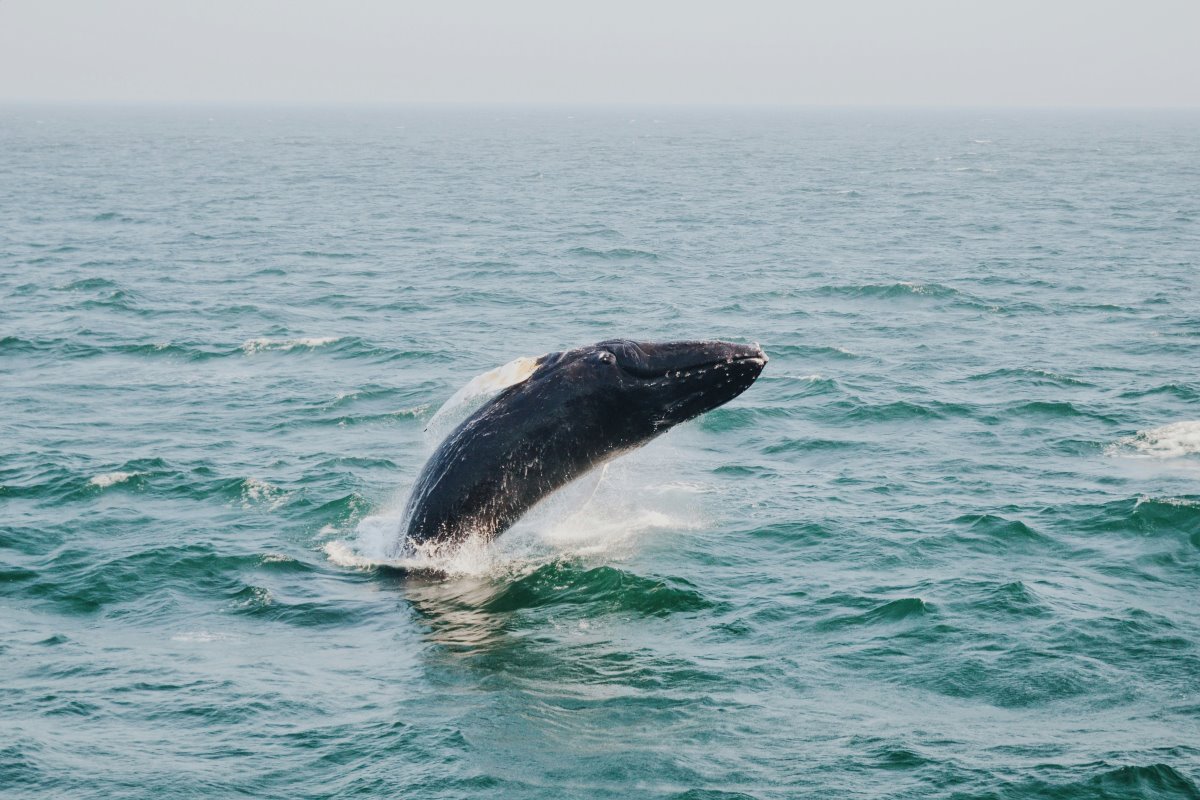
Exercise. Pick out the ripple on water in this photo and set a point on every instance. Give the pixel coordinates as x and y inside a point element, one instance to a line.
<point>601,589</point>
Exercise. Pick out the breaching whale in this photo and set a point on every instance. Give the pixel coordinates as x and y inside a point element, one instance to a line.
<point>575,410</point>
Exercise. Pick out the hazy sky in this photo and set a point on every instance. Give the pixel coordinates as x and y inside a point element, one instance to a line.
<point>857,52</point>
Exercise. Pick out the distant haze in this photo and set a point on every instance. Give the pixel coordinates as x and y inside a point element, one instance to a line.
<point>855,52</point>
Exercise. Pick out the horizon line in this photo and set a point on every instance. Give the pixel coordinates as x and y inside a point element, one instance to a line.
<point>560,104</point>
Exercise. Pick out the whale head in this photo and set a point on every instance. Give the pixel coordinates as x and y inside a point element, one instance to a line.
<point>641,389</point>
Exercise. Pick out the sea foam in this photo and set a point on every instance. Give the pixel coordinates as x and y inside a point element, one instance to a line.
<point>251,346</point>
<point>1168,441</point>
<point>107,479</point>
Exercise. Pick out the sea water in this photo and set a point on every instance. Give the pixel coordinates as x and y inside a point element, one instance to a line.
<point>948,545</point>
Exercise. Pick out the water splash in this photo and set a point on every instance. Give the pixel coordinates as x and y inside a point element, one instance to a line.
<point>600,516</point>
<point>476,392</point>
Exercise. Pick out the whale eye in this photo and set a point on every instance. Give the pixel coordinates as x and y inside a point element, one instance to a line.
<point>605,357</point>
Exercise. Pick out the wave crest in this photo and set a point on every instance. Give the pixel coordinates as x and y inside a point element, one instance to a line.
<point>251,346</point>
<point>1176,440</point>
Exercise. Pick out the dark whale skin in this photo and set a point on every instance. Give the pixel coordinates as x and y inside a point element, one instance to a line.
<point>578,409</point>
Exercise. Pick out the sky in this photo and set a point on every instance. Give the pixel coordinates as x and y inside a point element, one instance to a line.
<point>1056,53</point>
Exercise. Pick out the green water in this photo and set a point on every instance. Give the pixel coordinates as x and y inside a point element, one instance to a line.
<point>948,546</point>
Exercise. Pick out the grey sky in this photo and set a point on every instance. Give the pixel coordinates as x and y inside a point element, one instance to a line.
<point>856,52</point>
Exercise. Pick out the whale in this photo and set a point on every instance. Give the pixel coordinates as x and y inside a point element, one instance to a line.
<point>566,413</point>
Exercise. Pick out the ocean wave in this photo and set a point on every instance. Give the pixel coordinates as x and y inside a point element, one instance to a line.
<point>989,533</point>
<point>257,492</point>
<point>1053,408</point>
<point>17,344</point>
<point>592,229</point>
<point>82,581</point>
<point>114,216</point>
<point>614,254</point>
<point>332,255</point>
<point>252,346</point>
<point>1018,678</point>
<point>88,284</point>
<point>348,396</point>
<point>891,291</point>
<point>351,420</point>
<point>811,351</point>
<point>263,603</point>
<point>75,349</point>
<point>893,611</point>
<point>118,299</point>
<point>895,411</point>
<point>187,352</point>
<point>1029,376</point>
<point>1150,782</point>
<point>1176,440</point>
<point>104,480</point>
<point>602,589</point>
<point>343,347</point>
<point>1145,517</point>
<point>335,515</point>
<point>1013,598</point>
<point>204,637</point>
<point>1177,390</point>
<point>802,386</point>
<point>787,445</point>
<point>85,348</point>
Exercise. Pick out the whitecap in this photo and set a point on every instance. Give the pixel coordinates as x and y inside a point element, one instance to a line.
<point>251,346</point>
<point>415,411</point>
<point>259,492</point>
<point>1167,441</point>
<point>1178,502</point>
<point>107,479</point>
<point>202,636</point>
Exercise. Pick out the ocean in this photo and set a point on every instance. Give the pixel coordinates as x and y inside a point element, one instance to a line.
<point>947,546</point>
